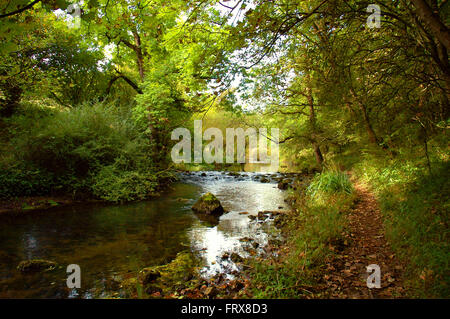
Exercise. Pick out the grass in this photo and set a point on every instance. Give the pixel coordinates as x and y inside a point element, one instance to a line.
<point>330,182</point>
<point>415,207</point>
<point>318,223</point>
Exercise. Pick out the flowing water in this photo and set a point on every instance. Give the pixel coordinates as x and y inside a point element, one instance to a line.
<point>114,242</point>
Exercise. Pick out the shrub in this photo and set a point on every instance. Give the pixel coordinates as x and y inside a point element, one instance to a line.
<point>19,180</point>
<point>92,149</point>
<point>114,184</point>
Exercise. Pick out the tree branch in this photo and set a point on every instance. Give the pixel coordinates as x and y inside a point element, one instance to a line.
<point>28,6</point>
<point>434,22</point>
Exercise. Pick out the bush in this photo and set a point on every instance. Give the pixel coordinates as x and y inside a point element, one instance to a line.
<point>24,181</point>
<point>117,185</point>
<point>92,149</point>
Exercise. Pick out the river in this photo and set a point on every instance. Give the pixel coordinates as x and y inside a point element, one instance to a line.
<point>111,242</point>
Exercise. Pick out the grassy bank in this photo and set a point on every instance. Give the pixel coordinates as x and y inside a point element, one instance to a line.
<point>314,229</point>
<point>415,207</point>
<point>414,203</point>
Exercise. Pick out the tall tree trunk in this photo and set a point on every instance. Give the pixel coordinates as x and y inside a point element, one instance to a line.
<point>367,124</point>
<point>312,121</point>
<point>317,153</point>
<point>369,129</point>
<point>139,54</point>
<point>438,28</point>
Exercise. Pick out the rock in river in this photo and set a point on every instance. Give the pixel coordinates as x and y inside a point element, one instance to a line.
<point>284,184</point>
<point>208,204</point>
<point>35,265</point>
<point>236,258</point>
<point>264,180</point>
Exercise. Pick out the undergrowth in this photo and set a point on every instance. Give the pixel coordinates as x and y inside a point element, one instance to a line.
<point>94,150</point>
<point>415,207</point>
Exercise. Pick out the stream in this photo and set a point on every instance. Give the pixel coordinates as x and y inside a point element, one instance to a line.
<point>111,242</point>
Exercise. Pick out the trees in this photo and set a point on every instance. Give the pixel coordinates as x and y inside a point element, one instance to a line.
<point>42,56</point>
<point>321,54</point>
<point>313,66</point>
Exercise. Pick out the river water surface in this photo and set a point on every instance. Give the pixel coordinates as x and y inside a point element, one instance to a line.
<point>111,243</point>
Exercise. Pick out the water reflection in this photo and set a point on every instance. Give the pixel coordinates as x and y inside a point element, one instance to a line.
<point>237,194</point>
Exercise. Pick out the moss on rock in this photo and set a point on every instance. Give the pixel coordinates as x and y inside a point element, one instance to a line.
<point>208,204</point>
<point>164,279</point>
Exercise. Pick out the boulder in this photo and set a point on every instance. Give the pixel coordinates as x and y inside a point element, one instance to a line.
<point>235,174</point>
<point>262,215</point>
<point>236,258</point>
<point>264,180</point>
<point>208,204</point>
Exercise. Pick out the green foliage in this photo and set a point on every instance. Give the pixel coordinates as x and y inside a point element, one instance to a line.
<point>374,100</point>
<point>330,182</point>
<point>20,180</point>
<point>415,206</point>
<point>319,223</point>
<point>94,149</point>
<point>277,281</point>
<point>114,184</point>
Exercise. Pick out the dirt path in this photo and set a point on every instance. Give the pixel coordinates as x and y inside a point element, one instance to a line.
<point>346,276</point>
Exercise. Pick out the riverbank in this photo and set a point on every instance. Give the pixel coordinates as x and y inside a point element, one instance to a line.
<point>394,217</point>
<point>331,238</point>
<point>22,205</point>
<point>329,229</point>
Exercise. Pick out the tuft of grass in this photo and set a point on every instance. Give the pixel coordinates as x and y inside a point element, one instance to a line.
<point>330,182</point>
